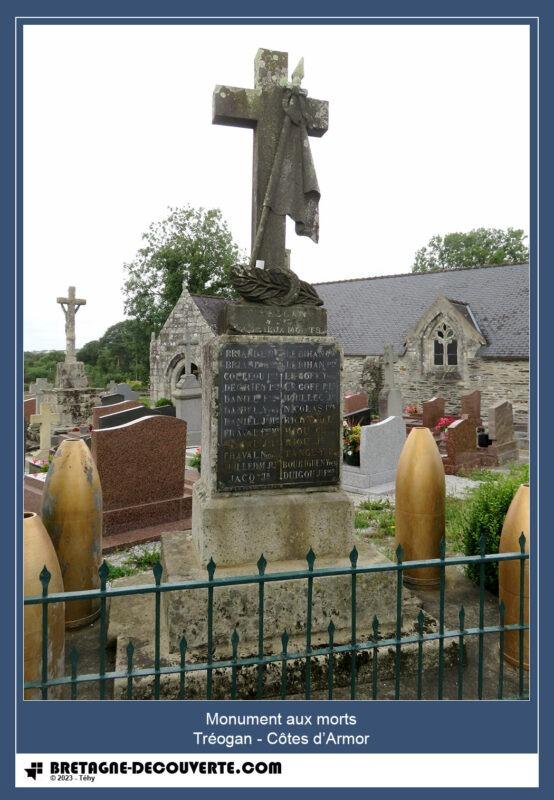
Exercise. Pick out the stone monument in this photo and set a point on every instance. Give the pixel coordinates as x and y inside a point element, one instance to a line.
<point>187,394</point>
<point>46,419</point>
<point>70,374</point>
<point>380,448</point>
<point>272,404</point>
<point>390,399</point>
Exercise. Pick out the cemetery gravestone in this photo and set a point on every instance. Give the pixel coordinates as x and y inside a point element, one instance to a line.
<point>101,411</point>
<point>501,430</point>
<point>46,419</point>
<point>390,398</point>
<point>187,395</point>
<point>125,390</point>
<point>122,417</point>
<point>471,407</point>
<point>355,402</point>
<point>380,448</point>
<point>142,472</point>
<point>433,410</point>
<point>112,399</point>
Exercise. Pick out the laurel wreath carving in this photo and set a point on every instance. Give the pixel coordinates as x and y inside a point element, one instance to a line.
<point>273,287</point>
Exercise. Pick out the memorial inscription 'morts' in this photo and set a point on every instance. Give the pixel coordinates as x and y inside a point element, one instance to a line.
<point>279,416</point>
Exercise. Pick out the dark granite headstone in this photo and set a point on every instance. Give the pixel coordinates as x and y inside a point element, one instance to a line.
<point>130,414</point>
<point>279,416</point>
<point>110,399</point>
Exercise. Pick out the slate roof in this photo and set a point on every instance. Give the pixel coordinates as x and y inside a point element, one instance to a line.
<point>209,307</point>
<point>367,313</point>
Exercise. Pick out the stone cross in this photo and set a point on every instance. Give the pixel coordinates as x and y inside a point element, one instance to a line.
<point>187,343</point>
<point>45,419</point>
<point>70,305</point>
<point>261,109</point>
<point>389,360</point>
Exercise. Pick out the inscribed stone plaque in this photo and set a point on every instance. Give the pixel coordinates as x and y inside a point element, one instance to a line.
<point>279,416</point>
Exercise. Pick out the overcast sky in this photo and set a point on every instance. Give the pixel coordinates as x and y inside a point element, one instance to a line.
<point>428,133</point>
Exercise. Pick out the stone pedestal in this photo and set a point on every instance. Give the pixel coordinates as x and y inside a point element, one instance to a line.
<point>271,451</point>
<point>187,397</point>
<point>71,375</point>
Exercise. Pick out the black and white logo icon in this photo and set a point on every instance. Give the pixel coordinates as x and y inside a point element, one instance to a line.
<point>34,770</point>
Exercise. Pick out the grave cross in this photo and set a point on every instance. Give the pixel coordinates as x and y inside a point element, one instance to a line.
<point>70,305</point>
<point>45,419</point>
<point>187,343</point>
<point>262,109</point>
<point>389,360</point>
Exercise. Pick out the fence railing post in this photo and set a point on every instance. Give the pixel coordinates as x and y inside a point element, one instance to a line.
<point>398,649</point>
<point>310,559</point>
<point>442,582</point>
<point>262,564</point>
<point>353,631</point>
<point>103,572</point>
<point>211,570</point>
<point>44,578</point>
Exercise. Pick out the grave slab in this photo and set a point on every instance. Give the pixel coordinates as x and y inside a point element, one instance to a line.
<point>380,448</point>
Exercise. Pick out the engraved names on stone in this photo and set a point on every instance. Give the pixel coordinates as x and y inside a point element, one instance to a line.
<point>279,414</point>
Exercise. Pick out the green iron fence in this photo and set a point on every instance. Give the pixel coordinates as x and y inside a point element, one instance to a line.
<point>309,653</point>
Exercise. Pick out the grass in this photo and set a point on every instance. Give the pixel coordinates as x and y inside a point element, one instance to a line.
<point>375,514</point>
<point>515,470</point>
<point>141,562</point>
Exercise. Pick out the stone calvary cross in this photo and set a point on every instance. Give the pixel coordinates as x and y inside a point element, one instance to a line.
<point>261,109</point>
<point>70,305</point>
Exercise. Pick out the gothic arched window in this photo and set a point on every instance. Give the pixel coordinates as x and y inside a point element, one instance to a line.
<point>445,344</point>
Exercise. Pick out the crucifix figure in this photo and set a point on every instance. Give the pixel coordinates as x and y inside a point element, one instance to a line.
<point>282,117</point>
<point>70,305</point>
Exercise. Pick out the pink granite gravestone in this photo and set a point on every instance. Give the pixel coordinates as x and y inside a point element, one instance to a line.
<point>355,402</point>
<point>462,452</point>
<point>29,408</point>
<point>433,410</point>
<point>101,411</point>
<point>142,472</point>
<point>471,407</point>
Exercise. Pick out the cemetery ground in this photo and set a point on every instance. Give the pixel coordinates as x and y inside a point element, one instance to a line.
<point>374,522</point>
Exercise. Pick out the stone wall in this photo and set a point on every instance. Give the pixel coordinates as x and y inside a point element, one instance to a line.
<point>167,352</point>
<point>497,380</point>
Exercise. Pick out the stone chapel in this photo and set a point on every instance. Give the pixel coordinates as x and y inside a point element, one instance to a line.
<point>452,332</point>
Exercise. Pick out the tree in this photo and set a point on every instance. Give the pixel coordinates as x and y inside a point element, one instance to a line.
<point>41,364</point>
<point>192,245</point>
<point>477,248</point>
<point>121,354</point>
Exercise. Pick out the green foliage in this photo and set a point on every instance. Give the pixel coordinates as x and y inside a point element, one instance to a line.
<point>122,354</point>
<point>376,514</point>
<point>475,248</point>
<point>372,382</point>
<point>133,564</point>
<point>195,461</point>
<point>192,245</point>
<point>163,401</point>
<point>483,514</point>
<point>41,365</point>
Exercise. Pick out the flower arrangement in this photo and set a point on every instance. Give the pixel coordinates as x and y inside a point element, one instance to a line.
<point>412,409</point>
<point>351,435</point>
<point>443,424</point>
<point>196,459</point>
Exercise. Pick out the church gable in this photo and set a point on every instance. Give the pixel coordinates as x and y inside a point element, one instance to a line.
<point>444,338</point>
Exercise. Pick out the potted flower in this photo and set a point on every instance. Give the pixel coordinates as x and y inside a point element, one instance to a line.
<point>351,435</point>
<point>442,425</point>
<point>412,410</point>
<point>195,459</point>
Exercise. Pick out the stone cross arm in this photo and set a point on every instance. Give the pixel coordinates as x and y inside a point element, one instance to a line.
<point>77,301</point>
<point>241,108</point>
